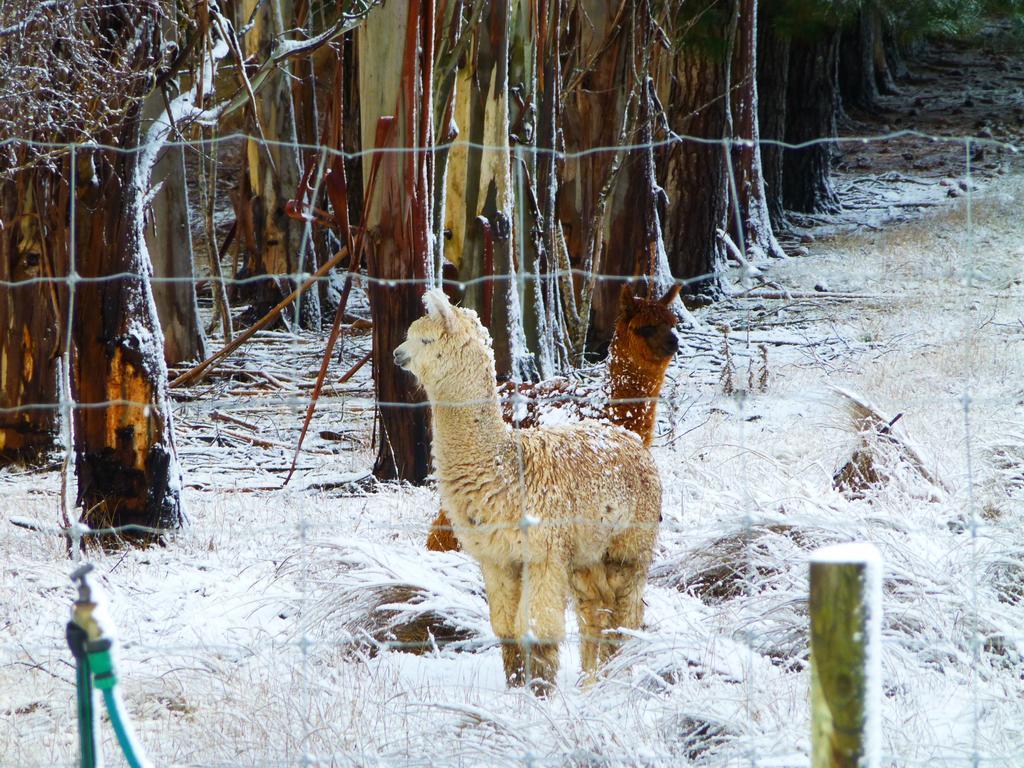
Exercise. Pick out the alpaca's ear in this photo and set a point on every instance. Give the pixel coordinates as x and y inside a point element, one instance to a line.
<point>670,295</point>
<point>438,306</point>
<point>626,299</point>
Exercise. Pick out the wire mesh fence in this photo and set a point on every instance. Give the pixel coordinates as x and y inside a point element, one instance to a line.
<point>307,625</point>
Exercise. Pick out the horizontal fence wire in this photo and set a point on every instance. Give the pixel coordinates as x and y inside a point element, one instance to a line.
<point>747,748</point>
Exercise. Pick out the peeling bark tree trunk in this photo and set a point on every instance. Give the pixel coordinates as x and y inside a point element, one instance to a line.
<point>169,242</point>
<point>633,246</point>
<point>29,342</point>
<point>282,247</point>
<point>124,450</point>
<point>395,59</point>
<point>693,89</point>
<point>597,113</point>
<point>535,75</point>
<point>811,116</point>
<point>758,239</point>
<point>479,200</point>
<point>772,80</point>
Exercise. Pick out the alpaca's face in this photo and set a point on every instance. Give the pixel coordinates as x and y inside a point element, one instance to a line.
<point>648,326</point>
<point>446,353</point>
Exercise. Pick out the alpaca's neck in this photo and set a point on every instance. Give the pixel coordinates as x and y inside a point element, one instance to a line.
<point>637,383</point>
<point>467,430</point>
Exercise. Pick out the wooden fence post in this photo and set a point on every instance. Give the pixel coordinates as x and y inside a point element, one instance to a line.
<point>846,643</point>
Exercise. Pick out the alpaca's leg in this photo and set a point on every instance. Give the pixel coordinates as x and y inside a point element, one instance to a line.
<point>441,537</point>
<point>540,622</point>
<point>627,580</point>
<point>594,603</point>
<point>502,583</point>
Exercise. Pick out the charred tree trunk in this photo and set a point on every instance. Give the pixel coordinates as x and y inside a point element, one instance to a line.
<point>772,81</point>
<point>811,117</point>
<point>124,450</point>
<point>693,89</point>
<point>755,236</point>
<point>395,55</point>
<point>29,343</point>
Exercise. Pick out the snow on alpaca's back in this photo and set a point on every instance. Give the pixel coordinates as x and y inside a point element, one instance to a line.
<point>554,507</point>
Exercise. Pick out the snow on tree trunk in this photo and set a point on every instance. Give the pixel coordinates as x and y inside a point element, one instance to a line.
<point>124,450</point>
<point>811,116</point>
<point>545,289</point>
<point>758,239</point>
<point>29,318</point>
<point>394,51</point>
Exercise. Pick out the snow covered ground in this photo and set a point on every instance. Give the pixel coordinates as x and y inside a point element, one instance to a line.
<point>253,637</point>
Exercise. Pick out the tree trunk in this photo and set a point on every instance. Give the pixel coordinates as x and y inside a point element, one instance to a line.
<point>772,80</point>
<point>634,245</point>
<point>883,74</point>
<point>29,342</point>
<point>283,246</point>
<point>693,88</point>
<point>811,116</point>
<point>395,60</point>
<point>535,77</point>
<point>479,200</point>
<point>598,112</point>
<point>124,450</point>
<point>169,242</point>
<point>857,82</point>
<point>757,239</point>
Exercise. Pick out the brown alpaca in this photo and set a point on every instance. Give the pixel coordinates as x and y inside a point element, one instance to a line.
<point>642,347</point>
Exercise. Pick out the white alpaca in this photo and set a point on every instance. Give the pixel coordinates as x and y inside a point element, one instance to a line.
<point>546,511</point>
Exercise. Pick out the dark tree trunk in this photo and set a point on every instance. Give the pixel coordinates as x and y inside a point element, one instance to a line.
<point>883,74</point>
<point>896,62</point>
<point>811,117</point>
<point>395,85</point>
<point>29,343</point>
<point>124,450</point>
<point>597,113</point>
<point>857,83</point>
<point>693,175</point>
<point>757,240</point>
<point>772,80</point>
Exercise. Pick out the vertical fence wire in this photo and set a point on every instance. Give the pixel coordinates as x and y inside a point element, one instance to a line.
<point>748,502</point>
<point>975,642</point>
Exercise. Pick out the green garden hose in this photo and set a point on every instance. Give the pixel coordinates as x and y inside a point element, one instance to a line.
<point>95,667</point>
